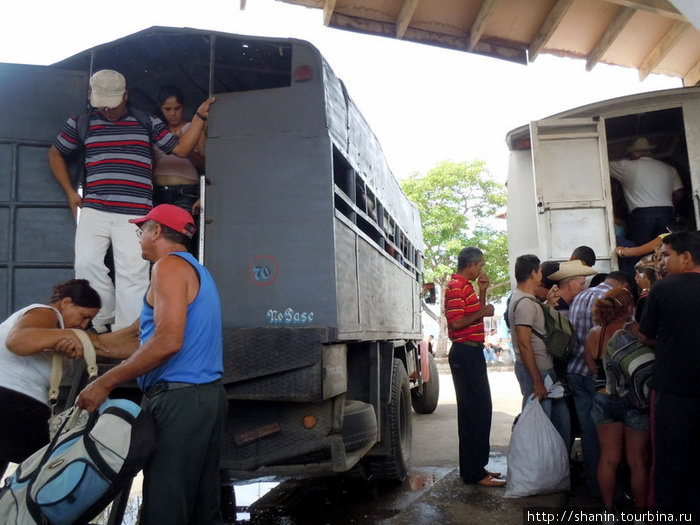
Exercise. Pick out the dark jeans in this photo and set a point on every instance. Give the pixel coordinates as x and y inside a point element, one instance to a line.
<point>182,195</point>
<point>473,409</point>
<point>25,427</point>
<point>556,409</point>
<point>675,437</point>
<point>648,223</point>
<point>583,390</point>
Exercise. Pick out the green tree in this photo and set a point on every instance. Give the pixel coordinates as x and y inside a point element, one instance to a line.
<point>457,202</point>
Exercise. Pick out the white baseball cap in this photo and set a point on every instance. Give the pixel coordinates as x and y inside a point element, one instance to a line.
<point>107,89</point>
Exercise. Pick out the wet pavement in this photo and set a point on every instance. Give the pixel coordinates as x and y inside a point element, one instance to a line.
<point>432,492</point>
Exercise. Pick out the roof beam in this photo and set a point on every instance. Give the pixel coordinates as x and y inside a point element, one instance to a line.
<point>658,7</point>
<point>611,33</point>
<point>407,10</point>
<point>485,47</point>
<point>328,8</point>
<point>692,77</point>
<point>550,25</point>
<point>662,49</point>
<point>479,25</point>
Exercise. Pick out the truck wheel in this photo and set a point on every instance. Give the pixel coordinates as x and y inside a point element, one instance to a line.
<point>427,402</point>
<point>398,423</point>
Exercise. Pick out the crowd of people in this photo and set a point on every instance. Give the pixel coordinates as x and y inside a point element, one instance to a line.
<point>161,312</point>
<point>656,439</point>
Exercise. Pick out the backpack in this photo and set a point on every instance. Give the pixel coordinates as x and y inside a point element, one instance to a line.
<point>560,335</point>
<point>74,477</point>
<point>631,363</point>
<point>81,128</point>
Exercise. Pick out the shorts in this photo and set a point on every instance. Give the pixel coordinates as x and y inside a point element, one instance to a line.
<point>610,409</point>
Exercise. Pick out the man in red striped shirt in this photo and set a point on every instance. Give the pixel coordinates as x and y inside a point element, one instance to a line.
<point>118,187</point>
<point>465,312</point>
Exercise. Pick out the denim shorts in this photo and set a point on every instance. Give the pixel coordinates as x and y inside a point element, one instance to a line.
<point>610,409</point>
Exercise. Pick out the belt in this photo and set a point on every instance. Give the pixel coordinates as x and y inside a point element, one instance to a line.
<point>161,387</point>
<point>470,343</point>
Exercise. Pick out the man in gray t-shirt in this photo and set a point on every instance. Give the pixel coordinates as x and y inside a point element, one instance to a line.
<point>533,363</point>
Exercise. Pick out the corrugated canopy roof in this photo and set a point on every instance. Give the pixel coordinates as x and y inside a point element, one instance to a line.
<point>649,35</point>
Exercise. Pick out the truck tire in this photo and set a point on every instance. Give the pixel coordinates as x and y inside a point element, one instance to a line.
<point>427,402</point>
<point>359,425</point>
<point>399,425</point>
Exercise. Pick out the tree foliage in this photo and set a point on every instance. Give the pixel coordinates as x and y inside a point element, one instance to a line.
<point>458,203</point>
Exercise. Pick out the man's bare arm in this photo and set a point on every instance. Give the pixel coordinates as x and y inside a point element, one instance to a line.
<point>170,298</point>
<point>59,168</point>
<point>527,357</point>
<point>463,322</point>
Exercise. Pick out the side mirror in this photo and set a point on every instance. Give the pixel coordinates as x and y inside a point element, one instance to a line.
<point>429,293</point>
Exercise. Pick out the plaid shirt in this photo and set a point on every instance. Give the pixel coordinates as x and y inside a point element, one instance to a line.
<point>581,316</point>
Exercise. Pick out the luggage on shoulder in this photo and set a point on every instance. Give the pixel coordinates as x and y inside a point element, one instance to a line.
<point>631,363</point>
<point>560,335</point>
<point>74,477</point>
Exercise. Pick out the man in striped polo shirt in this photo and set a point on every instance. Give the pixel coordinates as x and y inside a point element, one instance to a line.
<point>465,312</point>
<point>118,186</point>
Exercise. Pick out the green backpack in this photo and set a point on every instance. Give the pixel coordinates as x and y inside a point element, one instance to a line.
<point>560,335</point>
<point>631,363</point>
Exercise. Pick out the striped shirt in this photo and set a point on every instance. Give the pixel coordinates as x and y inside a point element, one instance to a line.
<point>461,300</point>
<point>118,161</point>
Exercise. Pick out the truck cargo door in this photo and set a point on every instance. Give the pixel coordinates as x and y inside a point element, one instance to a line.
<point>36,226</point>
<point>572,188</point>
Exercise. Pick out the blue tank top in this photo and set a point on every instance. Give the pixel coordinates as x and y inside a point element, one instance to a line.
<point>200,360</point>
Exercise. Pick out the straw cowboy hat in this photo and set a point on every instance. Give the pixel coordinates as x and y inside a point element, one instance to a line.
<point>641,144</point>
<point>573,268</point>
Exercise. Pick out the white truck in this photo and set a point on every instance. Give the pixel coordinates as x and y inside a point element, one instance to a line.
<point>559,186</point>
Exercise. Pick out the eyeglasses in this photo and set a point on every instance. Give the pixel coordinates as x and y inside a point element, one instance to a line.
<point>139,232</point>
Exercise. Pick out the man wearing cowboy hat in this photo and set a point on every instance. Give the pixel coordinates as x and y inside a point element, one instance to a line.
<point>571,280</point>
<point>651,189</point>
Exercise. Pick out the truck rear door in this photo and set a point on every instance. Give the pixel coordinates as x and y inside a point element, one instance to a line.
<point>572,187</point>
<point>36,226</point>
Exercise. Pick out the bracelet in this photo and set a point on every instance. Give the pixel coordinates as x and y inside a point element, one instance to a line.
<point>201,116</point>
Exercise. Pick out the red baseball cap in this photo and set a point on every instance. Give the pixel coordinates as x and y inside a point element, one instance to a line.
<point>171,216</point>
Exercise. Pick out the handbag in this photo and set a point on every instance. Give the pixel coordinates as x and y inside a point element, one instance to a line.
<point>79,417</point>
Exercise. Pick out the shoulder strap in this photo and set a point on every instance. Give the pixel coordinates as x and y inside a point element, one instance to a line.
<point>541,336</point>
<point>144,119</point>
<point>81,127</point>
<point>57,365</point>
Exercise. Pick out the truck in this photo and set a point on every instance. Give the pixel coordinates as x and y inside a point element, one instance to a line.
<point>316,251</point>
<point>560,194</point>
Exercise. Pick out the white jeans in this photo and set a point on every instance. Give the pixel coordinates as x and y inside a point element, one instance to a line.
<point>96,231</point>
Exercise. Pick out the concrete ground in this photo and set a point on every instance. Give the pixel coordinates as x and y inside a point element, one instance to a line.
<point>435,444</point>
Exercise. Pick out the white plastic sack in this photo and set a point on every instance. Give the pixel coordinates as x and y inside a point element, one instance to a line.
<point>538,462</point>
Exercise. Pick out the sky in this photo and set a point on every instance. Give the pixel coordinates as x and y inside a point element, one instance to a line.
<point>425,104</point>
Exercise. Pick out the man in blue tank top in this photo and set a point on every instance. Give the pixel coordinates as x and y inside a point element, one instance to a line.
<point>178,365</point>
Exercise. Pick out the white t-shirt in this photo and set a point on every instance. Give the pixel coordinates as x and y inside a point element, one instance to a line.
<point>526,313</point>
<point>26,374</point>
<point>646,182</point>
